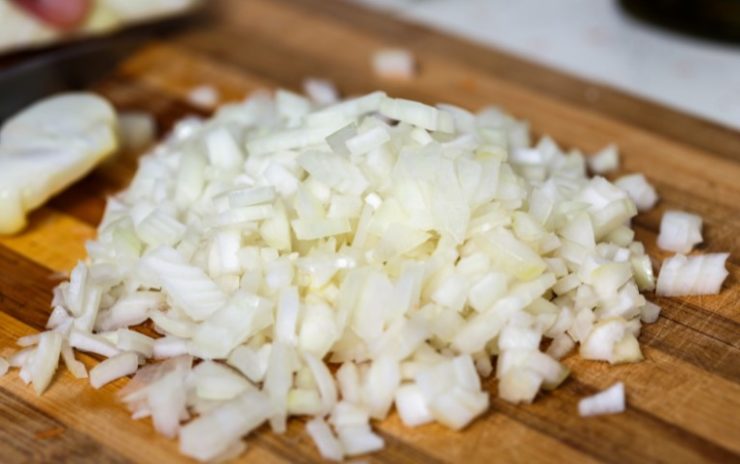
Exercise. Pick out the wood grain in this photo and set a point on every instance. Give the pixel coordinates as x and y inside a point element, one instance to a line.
<point>684,399</point>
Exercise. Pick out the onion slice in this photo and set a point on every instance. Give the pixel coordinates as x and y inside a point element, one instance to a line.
<point>609,401</point>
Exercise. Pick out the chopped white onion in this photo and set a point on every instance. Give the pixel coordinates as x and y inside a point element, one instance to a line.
<point>215,432</point>
<point>606,160</point>
<point>649,313</point>
<point>321,91</point>
<point>92,343</point>
<point>679,231</point>
<point>78,369</point>
<point>418,246</point>
<point>215,381</point>
<point>29,340</point>
<point>412,406</point>
<point>609,401</point>
<point>394,63</point>
<point>113,368</point>
<point>359,439</point>
<point>328,445</point>
<point>169,347</point>
<point>639,190</point>
<point>692,275</point>
<point>45,360</point>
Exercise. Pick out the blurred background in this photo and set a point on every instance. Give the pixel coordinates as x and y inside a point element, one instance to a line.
<point>680,53</point>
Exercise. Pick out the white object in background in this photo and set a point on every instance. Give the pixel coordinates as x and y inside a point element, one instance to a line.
<point>394,63</point>
<point>321,91</point>
<point>138,130</point>
<point>597,40</point>
<point>204,96</point>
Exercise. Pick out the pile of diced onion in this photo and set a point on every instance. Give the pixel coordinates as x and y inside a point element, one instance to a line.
<point>337,261</point>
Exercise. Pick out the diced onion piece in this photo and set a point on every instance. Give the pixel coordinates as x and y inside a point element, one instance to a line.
<point>45,360</point>
<point>346,413</point>
<point>679,231</point>
<point>215,432</point>
<point>306,229</point>
<point>368,141</point>
<point>519,385</point>
<point>130,310</point>
<point>324,380</point>
<point>190,287</point>
<point>359,439</point>
<point>642,270</point>
<point>411,244</point>
<point>560,346</point>
<point>113,368</point>
<point>417,114</point>
<point>328,445</point>
<point>412,406</point>
<point>287,315</point>
<point>278,380</point>
<point>92,343</point>
<point>394,63</point>
<point>609,401</point>
<point>28,340</point>
<point>215,381</point>
<point>692,275</point>
<point>606,160</point>
<point>74,295</point>
<point>610,341</point>
<point>78,369</point>
<point>304,401</point>
<point>381,382</point>
<point>58,318</point>
<point>649,313</point>
<point>223,152</point>
<point>456,408</point>
<point>250,362</point>
<point>169,347</point>
<point>639,190</point>
<point>291,106</point>
<point>167,400</point>
<point>20,358</point>
<point>321,91</point>
<point>129,340</point>
<point>346,110</point>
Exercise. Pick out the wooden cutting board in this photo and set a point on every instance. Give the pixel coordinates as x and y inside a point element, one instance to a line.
<point>683,400</point>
